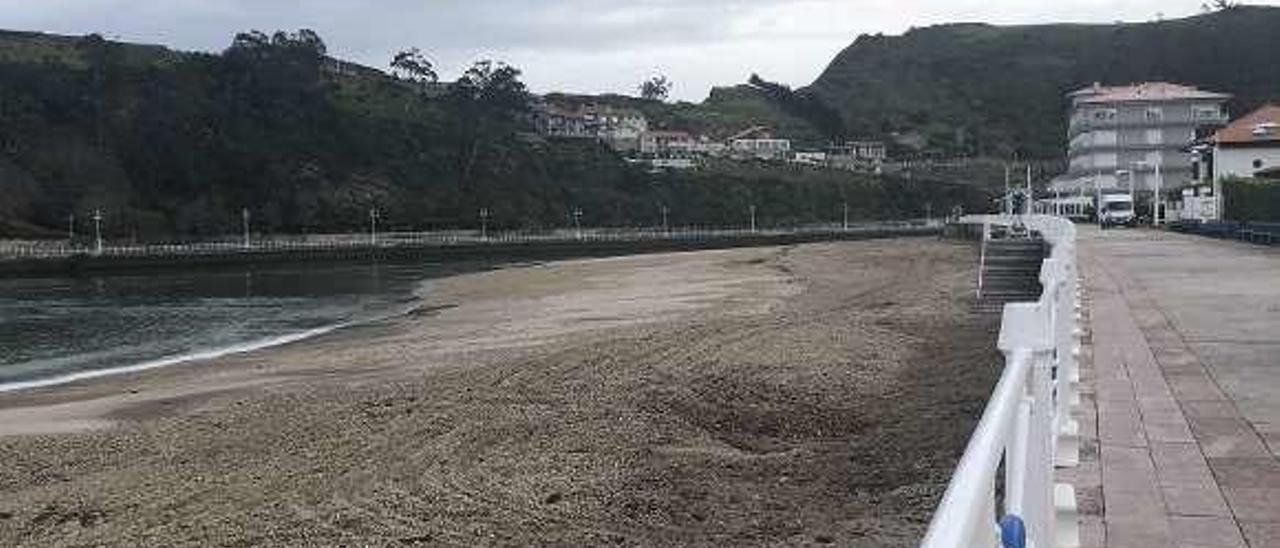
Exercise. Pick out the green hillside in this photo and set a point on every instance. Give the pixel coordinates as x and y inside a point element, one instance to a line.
<point>977,89</point>
<point>177,144</point>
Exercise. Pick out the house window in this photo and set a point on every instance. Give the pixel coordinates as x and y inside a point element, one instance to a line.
<point>1104,114</point>
<point>1205,113</point>
<point>1153,114</point>
<point>1257,164</point>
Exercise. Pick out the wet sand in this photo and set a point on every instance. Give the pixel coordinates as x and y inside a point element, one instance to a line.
<point>811,394</point>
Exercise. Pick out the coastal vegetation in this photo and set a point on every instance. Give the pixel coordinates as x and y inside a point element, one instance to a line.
<point>171,143</point>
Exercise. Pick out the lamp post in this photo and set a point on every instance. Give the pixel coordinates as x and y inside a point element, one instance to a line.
<point>484,223</point>
<point>244,216</point>
<point>1028,208</point>
<point>753,218</point>
<point>665,211</point>
<point>1155,205</point>
<point>97,229</point>
<point>577,222</point>
<point>373,226</point>
<point>1155,198</point>
<point>71,229</point>
<point>845,224</point>
<point>1007,206</point>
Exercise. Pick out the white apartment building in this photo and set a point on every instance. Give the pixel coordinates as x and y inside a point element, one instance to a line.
<point>1122,135</point>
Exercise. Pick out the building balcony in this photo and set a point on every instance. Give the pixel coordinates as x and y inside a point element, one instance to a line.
<point>1078,126</point>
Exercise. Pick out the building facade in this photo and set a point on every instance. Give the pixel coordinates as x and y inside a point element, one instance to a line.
<point>1247,147</point>
<point>873,151</point>
<point>1135,134</point>
<point>666,144</point>
<point>619,128</point>
<point>765,149</point>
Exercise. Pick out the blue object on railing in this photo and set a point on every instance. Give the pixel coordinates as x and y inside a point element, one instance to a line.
<point>1013,533</point>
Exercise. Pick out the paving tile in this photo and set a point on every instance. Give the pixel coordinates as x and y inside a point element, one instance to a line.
<point>1195,388</point>
<point>1115,388</point>
<point>1166,427</point>
<point>1209,409</point>
<point>1253,504</point>
<point>1180,368</point>
<point>1136,501</point>
<point>1206,532</point>
<point>1138,534</point>
<point>1159,405</point>
<point>1121,430</point>
<point>1181,464</point>
<point>1262,535</point>
<point>1175,357</point>
<point>1127,469</point>
<point>1227,438</point>
<point>1270,433</point>
<point>1198,500</point>
<point>1151,389</point>
<point>1263,473</point>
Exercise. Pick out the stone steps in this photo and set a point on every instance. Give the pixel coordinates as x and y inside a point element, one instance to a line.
<point>1010,273</point>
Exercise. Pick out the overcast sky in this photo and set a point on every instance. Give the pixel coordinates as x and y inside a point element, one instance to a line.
<point>590,46</point>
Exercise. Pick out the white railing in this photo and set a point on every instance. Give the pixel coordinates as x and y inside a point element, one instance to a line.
<point>1027,424</point>
<point>260,244</point>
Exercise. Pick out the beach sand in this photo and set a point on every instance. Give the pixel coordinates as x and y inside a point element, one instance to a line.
<point>811,394</point>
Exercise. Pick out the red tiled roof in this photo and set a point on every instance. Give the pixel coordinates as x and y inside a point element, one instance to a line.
<point>1145,91</point>
<point>1259,126</point>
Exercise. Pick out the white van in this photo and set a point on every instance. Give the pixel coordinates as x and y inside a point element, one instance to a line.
<point>1115,208</point>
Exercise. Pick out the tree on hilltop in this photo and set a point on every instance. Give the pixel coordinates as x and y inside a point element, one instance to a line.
<point>412,65</point>
<point>656,88</point>
<point>489,102</point>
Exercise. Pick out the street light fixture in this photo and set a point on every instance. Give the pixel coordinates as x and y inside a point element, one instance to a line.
<point>753,218</point>
<point>484,223</point>
<point>373,226</point>
<point>665,211</point>
<point>577,221</point>
<point>97,228</point>
<point>244,216</point>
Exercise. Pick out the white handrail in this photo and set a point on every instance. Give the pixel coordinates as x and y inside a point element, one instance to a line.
<point>10,250</point>
<point>1027,422</point>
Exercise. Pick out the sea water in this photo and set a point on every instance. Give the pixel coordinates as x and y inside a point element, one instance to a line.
<point>60,329</point>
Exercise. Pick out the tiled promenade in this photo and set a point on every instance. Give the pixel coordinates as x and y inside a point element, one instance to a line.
<point>1181,384</point>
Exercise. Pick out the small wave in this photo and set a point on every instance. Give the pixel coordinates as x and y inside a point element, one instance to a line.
<point>171,360</point>
<point>405,309</point>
